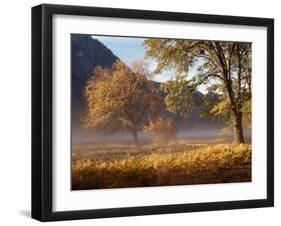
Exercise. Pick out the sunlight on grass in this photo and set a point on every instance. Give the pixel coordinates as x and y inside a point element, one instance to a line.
<point>172,164</point>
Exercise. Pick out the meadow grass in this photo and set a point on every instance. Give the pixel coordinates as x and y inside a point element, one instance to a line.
<point>176,163</point>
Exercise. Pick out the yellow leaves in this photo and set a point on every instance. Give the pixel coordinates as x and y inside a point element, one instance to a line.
<point>220,108</point>
<point>120,98</point>
<point>161,128</point>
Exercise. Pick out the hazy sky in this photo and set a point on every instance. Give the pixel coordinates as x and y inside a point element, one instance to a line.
<point>130,49</point>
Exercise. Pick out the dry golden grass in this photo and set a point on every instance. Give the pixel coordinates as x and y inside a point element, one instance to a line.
<point>116,166</point>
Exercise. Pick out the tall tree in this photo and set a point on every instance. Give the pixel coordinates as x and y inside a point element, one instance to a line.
<point>222,67</point>
<point>120,98</point>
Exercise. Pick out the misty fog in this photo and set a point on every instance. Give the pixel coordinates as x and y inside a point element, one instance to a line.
<point>80,136</point>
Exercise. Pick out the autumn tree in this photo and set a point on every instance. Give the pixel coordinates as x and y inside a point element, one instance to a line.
<point>120,99</point>
<point>223,67</point>
<point>160,128</point>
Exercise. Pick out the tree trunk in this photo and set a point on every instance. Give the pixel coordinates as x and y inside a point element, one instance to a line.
<point>238,128</point>
<point>135,135</point>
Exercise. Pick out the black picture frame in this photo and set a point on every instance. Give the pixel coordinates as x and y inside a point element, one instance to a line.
<point>42,111</point>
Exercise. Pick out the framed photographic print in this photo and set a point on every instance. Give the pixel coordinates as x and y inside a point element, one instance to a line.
<point>147,112</point>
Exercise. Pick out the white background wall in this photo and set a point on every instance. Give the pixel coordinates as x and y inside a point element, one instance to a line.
<point>15,113</point>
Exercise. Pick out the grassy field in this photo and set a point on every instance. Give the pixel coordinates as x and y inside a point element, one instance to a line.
<point>176,163</point>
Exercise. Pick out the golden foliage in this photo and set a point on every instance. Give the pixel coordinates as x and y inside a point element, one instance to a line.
<point>120,98</point>
<point>161,128</point>
<point>219,163</point>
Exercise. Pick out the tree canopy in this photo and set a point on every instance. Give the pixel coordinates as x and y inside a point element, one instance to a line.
<point>224,68</point>
<point>121,98</point>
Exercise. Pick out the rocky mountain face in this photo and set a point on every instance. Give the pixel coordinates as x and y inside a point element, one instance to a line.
<point>86,54</point>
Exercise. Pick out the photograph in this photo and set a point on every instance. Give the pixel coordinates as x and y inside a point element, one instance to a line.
<point>149,111</point>
<point>146,112</point>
